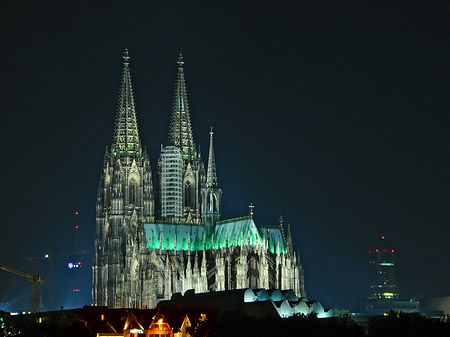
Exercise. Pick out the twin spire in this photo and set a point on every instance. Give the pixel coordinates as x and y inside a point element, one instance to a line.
<point>180,132</point>
<point>126,141</point>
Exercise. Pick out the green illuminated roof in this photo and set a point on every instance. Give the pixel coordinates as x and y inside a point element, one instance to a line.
<point>274,236</point>
<point>240,230</point>
<point>165,232</point>
<point>232,228</point>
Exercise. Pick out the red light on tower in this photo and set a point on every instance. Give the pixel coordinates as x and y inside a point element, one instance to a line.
<point>382,237</point>
<point>76,213</point>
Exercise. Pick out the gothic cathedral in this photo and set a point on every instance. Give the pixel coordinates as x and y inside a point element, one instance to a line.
<point>154,240</point>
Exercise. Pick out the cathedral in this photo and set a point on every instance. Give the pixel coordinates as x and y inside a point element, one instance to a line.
<point>157,236</point>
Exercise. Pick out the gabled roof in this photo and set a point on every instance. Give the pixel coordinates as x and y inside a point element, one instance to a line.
<point>242,230</point>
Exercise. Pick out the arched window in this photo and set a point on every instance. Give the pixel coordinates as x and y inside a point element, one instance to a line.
<point>252,273</point>
<point>226,275</point>
<point>253,282</point>
<point>187,194</point>
<point>132,192</point>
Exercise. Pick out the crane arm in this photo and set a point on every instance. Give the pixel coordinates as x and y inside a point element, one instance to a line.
<point>50,256</point>
<point>31,277</point>
<point>17,272</point>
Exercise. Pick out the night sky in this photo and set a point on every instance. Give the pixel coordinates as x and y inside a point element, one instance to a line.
<point>334,114</point>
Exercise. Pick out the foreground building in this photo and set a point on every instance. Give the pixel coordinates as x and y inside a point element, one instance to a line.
<point>157,237</point>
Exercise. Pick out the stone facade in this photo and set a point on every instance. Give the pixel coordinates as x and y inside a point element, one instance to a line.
<point>142,255</point>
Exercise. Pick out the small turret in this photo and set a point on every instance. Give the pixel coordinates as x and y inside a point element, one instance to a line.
<point>211,193</point>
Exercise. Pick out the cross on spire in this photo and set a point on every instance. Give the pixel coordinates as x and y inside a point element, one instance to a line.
<point>251,206</point>
<point>180,60</point>
<point>211,132</point>
<point>126,55</point>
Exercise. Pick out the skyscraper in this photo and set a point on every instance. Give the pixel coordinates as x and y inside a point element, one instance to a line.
<point>383,293</point>
<point>382,272</point>
<point>153,242</point>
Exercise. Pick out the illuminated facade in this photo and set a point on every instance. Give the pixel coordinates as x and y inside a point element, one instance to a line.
<point>152,243</point>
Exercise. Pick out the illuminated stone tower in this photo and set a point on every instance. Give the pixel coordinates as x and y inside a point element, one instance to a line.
<point>124,199</point>
<point>180,136</point>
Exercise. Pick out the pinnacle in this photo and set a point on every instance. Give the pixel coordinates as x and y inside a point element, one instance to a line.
<point>180,131</point>
<point>126,141</point>
<point>211,177</point>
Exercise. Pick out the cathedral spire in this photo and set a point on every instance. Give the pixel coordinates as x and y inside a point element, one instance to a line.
<point>126,140</point>
<point>211,178</point>
<point>180,132</point>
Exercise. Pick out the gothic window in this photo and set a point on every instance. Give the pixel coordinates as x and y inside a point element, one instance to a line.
<point>226,275</point>
<point>280,276</point>
<point>158,284</point>
<point>187,194</point>
<point>252,272</point>
<point>132,192</point>
<point>253,283</point>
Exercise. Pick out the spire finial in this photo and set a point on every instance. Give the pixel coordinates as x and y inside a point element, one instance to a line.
<point>251,206</point>
<point>126,56</point>
<point>211,132</point>
<point>180,60</point>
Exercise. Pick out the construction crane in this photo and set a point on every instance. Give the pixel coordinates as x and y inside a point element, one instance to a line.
<point>34,279</point>
<point>50,257</point>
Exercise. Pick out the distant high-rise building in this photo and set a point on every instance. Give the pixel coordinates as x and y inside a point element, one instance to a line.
<point>382,273</point>
<point>383,292</point>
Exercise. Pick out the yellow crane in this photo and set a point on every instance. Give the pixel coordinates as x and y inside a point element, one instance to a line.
<point>49,257</point>
<point>34,279</point>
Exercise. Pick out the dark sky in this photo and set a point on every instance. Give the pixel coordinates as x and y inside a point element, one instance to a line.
<point>334,114</point>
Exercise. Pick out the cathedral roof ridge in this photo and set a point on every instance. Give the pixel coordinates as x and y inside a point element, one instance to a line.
<point>176,223</point>
<point>233,219</point>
